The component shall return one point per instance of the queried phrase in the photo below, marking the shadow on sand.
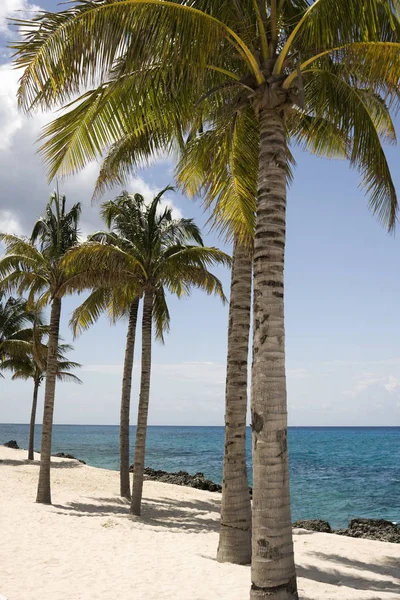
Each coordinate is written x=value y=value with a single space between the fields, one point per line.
x=65 y=464
x=165 y=512
x=362 y=577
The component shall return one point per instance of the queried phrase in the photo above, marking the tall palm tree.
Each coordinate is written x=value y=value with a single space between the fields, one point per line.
x=122 y=217
x=209 y=167
x=152 y=253
x=33 y=366
x=38 y=271
x=321 y=64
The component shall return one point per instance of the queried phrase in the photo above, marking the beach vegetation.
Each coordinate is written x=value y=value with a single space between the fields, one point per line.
x=35 y=269
x=33 y=365
x=159 y=70
x=148 y=254
x=14 y=317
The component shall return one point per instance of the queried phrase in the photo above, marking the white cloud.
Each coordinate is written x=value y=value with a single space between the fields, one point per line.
x=298 y=373
x=366 y=381
x=139 y=186
x=392 y=384
x=103 y=369
x=9 y=223
x=14 y=9
x=204 y=372
x=24 y=186
x=363 y=363
x=10 y=120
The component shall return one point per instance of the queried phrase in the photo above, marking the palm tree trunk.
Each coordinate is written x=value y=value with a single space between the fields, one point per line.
x=43 y=492
x=273 y=572
x=33 y=419
x=235 y=533
x=125 y=490
x=141 y=429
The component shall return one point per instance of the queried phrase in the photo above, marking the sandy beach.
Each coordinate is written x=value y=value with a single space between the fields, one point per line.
x=87 y=547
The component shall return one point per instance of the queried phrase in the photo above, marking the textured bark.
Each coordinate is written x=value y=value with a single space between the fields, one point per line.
x=272 y=570
x=141 y=429
x=33 y=420
x=235 y=533
x=126 y=402
x=43 y=492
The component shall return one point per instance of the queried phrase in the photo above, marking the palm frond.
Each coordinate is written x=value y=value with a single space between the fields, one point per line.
x=161 y=316
x=90 y=310
x=58 y=57
x=69 y=377
x=360 y=117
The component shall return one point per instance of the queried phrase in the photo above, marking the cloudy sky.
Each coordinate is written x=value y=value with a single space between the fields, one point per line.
x=342 y=294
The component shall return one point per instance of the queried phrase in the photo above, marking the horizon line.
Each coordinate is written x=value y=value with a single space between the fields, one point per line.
x=222 y=425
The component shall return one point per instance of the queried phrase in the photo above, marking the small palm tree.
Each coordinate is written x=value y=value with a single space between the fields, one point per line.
x=13 y=317
x=151 y=252
x=38 y=271
x=33 y=366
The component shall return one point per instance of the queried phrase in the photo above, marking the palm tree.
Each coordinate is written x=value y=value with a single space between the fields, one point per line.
x=122 y=216
x=33 y=366
x=13 y=317
x=150 y=251
x=289 y=66
x=38 y=271
x=211 y=167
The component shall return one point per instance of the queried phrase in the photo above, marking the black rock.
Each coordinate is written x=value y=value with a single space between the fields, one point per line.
x=372 y=529
x=11 y=444
x=63 y=455
x=198 y=480
x=313 y=525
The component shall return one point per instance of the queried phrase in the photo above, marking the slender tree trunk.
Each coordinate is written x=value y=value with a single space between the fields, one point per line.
x=235 y=533
x=33 y=420
x=141 y=429
x=273 y=572
x=43 y=492
x=126 y=402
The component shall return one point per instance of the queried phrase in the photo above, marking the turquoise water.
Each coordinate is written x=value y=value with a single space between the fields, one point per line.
x=337 y=473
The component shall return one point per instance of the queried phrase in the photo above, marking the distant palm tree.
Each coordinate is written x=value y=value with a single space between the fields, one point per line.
x=38 y=271
x=152 y=254
x=13 y=317
x=33 y=366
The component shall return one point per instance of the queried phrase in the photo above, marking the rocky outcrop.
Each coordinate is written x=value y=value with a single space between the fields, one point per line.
x=372 y=529
x=63 y=455
x=12 y=444
x=198 y=480
x=313 y=525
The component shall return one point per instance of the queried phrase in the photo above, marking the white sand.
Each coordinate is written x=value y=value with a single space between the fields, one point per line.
x=86 y=547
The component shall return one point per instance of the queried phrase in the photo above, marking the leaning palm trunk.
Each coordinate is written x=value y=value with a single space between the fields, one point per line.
x=44 y=493
x=33 y=420
x=272 y=571
x=235 y=533
x=126 y=402
x=141 y=429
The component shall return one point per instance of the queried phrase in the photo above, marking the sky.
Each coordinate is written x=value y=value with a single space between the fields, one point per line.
x=342 y=291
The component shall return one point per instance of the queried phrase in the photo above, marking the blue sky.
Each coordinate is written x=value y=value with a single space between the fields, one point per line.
x=342 y=291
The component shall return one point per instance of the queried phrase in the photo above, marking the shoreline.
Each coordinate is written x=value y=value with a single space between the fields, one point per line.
x=378 y=529
x=86 y=546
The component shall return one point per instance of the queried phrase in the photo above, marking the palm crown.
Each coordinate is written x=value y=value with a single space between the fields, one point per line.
x=333 y=67
x=26 y=268
x=29 y=367
x=146 y=249
x=13 y=319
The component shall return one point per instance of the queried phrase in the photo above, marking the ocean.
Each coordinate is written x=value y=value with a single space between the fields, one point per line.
x=337 y=473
